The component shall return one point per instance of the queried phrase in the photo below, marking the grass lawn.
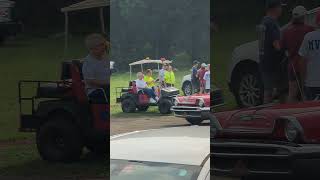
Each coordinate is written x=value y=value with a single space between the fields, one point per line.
x=122 y=80
x=32 y=59
x=225 y=40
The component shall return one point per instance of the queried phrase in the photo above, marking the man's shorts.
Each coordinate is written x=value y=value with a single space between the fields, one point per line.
x=293 y=72
x=202 y=83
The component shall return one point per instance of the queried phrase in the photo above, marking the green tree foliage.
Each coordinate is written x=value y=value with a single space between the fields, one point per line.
x=157 y=29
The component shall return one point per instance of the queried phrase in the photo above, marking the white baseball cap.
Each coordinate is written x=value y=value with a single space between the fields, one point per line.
x=299 y=11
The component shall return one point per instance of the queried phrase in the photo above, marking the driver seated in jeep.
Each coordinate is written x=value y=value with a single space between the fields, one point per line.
x=95 y=69
x=142 y=86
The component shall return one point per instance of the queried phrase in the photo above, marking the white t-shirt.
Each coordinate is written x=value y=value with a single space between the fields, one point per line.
x=141 y=84
x=161 y=75
x=206 y=77
x=310 y=49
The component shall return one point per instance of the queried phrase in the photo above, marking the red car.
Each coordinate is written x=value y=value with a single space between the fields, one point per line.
x=196 y=108
x=276 y=140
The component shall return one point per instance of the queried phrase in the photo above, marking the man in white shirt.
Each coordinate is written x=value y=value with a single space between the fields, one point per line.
x=161 y=74
x=96 y=68
x=310 y=53
x=206 y=77
x=142 y=85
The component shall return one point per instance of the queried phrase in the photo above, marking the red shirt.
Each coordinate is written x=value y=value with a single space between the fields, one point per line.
x=292 y=38
x=201 y=73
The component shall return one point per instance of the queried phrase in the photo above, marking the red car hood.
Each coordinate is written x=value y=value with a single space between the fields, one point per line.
x=191 y=100
x=260 y=120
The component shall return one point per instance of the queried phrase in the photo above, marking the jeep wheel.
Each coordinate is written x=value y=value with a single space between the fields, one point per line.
x=128 y=106
x=59 y=140
x=194 y=121
x=165 y=106
x=187 y=88
x=249 y=89
x=143 y=108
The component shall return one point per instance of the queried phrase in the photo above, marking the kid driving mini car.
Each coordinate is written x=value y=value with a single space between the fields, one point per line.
x=276 y=140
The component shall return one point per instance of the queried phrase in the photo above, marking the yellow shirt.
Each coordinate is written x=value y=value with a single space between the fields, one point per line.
x=169 y=77
x=150 y=81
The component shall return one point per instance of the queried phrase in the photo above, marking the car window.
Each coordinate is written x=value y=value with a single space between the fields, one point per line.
x=132 y=170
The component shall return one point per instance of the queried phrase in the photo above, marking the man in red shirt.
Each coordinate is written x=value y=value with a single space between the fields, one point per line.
x=201 y=73
x=291 y=41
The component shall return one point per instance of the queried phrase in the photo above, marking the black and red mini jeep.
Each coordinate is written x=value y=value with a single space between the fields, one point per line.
x=132 y=99
x=64 y=118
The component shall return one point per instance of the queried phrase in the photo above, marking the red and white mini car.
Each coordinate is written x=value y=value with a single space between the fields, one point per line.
x=196 y=108
x=276 y=140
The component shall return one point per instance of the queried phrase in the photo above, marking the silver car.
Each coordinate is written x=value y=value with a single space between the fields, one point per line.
x=179 y=153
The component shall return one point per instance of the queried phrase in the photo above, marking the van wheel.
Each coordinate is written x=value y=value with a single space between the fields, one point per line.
x=248 y=88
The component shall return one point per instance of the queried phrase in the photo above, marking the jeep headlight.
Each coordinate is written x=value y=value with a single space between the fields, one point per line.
x=291 y=131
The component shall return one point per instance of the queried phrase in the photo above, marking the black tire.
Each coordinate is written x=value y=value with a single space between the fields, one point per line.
x=59 y=140
x=143 y=108
x=248 y=88
x=165 y=106
x=194 y=121
x=128 y=105
x=187 y=88
x=98 y=146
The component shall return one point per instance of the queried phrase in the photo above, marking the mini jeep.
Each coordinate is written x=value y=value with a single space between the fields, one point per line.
x=64 y=119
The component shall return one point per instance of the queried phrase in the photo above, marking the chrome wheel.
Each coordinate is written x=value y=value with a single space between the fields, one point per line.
x=249 y=90
x=187 y=89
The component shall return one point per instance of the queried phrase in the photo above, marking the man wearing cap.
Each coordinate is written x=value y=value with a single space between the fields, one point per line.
x=270 y=54
x=291 y=41
x=194 y=76
x=95 y=68
x=310 y=53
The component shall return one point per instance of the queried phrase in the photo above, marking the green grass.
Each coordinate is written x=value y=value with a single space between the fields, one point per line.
x=122 y=80
x=223 y=43
x=33 y=59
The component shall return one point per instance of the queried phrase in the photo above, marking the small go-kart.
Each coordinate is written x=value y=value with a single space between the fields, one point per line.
x=132 y=99
x=196 y=108
x=64 y=118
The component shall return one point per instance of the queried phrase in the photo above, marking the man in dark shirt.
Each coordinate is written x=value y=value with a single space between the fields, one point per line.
x=270 y=52
x=194 y=76
x=291 y=41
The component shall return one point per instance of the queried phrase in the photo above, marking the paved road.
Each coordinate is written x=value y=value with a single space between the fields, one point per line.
x=129 y=124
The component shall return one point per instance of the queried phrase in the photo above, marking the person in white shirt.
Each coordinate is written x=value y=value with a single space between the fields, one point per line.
x=142 y=85
x=310 y=53
x=206 y=77
x=161 y=74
